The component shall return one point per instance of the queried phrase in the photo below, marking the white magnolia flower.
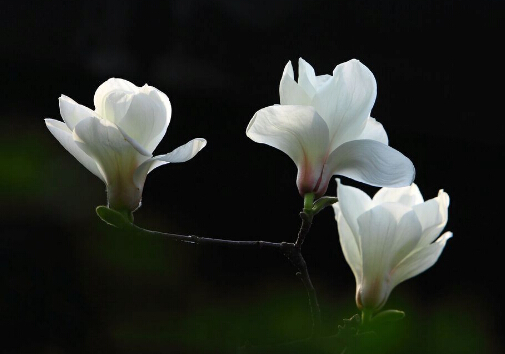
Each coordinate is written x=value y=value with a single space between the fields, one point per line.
x=389 y=239
x=116 y=141
x=323 y=123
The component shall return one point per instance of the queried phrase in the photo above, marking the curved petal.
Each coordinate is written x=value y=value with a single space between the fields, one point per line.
x=64 y=135
x=146 y=119
x=72 y=112
x=384 y=242
x=182 y=154
x=134 y=143
x=346 y=101
x=348 y=242
x=408 y=233
x=112 y=85
x=307 y=77
x=297 y=131
x=322 y=80
x=374 y=131
x=370 y=162
x=115 y=105
x=353 y=202
x=289 y=91
x=408 y=196
x=433 y=215
x=385 y=239
x=159 y=96
x=102 y=141
x=420 y=260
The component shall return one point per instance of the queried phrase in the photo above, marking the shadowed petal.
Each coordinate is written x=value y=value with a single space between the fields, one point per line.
x=348 y=242
x=370 y=162
x=352 y=202
x=102 y=140
x=420 y=260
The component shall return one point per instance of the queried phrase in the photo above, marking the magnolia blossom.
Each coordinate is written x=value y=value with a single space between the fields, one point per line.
x=390 y=238
x=116 y=141
x=323 y=123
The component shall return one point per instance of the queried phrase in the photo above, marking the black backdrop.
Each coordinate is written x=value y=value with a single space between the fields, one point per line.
x=71 y=284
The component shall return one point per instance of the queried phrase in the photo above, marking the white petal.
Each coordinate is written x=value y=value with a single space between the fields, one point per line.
x=181 y=154
x=385 y=240
x=353 y=202
x=147 y=117
x=299 y=132
x=350 y=247
x=346 y=101
x=115 y=106
x=371 y=162
x=374 y=131
x=158 y=95
x=322 y=80
x=114 y=155
x=408 y=233
x=397 y=210
x=72 y=112
x=112 y=85
x=64 y=136
x=289 y=91
x=408 y=196
x=433 y=215
x=420 y=260
x=307 y=77
x=377 y=229
x=134 y=143
x=184 y=152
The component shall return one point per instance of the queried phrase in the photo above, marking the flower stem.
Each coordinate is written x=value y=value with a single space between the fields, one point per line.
x=366 y=317
x=308 y=200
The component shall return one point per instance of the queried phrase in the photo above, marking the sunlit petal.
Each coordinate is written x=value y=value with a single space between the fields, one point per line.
x=289 y=91
x=72 y=112
x=346 y=101
x=409 y=195
x=181 y=154
x=297 y=131
x=64 y=135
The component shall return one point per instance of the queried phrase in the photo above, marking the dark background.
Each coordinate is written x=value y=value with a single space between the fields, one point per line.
x=71 y=284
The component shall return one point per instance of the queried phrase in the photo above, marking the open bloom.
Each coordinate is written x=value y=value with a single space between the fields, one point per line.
x=389 y=239
x=323 y=123
x=116 y=141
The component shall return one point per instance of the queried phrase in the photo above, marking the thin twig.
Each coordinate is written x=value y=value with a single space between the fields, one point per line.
x=209 y=241
x=294 y=253
x=304 y=228
x=291 y=251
